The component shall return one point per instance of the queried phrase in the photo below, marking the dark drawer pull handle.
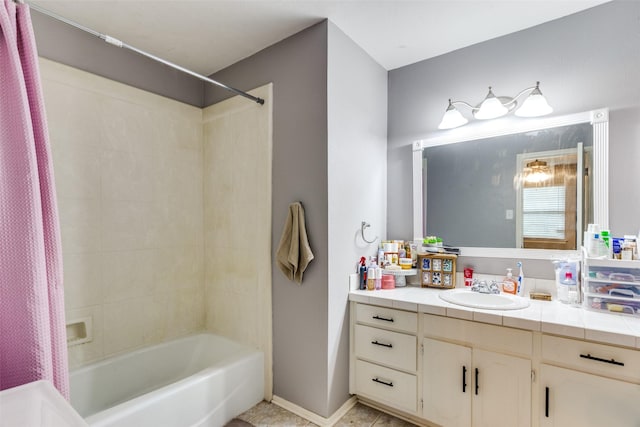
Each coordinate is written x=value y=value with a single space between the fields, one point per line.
x=546 y=402
x=382 y=344
x=383 y=318
x=477 y=386
x=464 y=379
x=376 y=380
x=598 y=359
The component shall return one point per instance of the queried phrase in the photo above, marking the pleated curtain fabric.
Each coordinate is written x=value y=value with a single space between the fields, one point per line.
x=32 y=325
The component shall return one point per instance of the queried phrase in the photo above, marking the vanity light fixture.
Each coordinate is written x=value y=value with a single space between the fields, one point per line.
x=537 y=171
x=534 y=105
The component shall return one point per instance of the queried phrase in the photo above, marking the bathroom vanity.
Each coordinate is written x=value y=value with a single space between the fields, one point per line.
x=549 y=364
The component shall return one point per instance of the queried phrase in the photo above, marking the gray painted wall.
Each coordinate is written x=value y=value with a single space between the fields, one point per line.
x=357 y=158
x=297 y=66
x=584 y=61
x=68 y=45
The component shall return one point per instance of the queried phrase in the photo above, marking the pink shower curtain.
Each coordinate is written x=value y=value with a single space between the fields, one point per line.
x=32 y=329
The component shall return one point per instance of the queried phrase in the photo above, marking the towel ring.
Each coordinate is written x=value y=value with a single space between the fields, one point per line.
x=364 y=225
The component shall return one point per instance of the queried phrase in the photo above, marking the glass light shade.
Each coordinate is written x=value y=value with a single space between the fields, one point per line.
x=452 y=118
x=537 y=172
x=490 y=108
x=534 y=105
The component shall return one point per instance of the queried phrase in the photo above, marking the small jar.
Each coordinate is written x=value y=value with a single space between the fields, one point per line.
x=388 y=281
x=405 y=263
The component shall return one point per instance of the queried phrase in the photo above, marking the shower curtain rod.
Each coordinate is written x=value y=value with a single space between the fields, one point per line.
x=119 y=43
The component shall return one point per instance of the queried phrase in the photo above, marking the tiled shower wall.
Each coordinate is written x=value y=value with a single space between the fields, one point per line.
x=237 y=221
x=128 y=168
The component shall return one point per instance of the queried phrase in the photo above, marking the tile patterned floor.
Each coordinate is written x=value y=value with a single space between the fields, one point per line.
x=266 y=414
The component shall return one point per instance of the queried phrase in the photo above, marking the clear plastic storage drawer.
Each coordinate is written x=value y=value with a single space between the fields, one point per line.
x=612 y=286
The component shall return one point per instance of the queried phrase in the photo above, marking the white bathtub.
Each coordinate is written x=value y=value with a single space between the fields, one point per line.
x=200 y=380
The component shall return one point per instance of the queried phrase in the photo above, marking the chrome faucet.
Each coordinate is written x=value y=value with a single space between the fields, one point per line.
x=484 y=288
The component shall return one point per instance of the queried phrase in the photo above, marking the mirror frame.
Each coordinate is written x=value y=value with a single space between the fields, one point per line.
x=599 y=119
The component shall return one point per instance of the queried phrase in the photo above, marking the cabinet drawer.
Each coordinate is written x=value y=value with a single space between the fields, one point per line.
x=386 y=347
x=387 y=386
x=388 y=318
x=604 y=360
x=497 y=338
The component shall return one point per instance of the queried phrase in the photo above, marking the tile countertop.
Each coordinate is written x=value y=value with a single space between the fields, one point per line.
x=543 y=316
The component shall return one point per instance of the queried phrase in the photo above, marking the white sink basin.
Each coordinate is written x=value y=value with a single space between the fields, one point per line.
x=468 y=298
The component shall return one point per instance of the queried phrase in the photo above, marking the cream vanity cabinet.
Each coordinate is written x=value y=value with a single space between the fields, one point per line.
x=385 y=363
x=475 y=374
x=588 y=384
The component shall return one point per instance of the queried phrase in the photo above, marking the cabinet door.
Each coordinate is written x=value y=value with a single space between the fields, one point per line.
x=446 y=386
x=501 y=390
x=572 y=398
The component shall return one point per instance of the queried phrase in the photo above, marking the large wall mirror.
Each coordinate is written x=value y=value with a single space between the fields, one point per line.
x=525 y=189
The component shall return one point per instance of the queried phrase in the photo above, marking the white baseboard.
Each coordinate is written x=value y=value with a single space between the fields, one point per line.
x=315 y=418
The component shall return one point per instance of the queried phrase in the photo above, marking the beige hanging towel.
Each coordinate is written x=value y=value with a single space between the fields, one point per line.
x=294 y=253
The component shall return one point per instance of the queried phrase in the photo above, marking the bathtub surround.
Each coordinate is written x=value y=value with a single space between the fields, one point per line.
x=129 y=184
x=165 y=212
x=32 y=328
x=237 y=222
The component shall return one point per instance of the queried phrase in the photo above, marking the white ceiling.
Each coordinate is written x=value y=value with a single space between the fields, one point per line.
x=208 y=35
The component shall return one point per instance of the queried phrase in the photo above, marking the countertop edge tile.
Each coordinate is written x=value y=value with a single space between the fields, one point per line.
x=494 y=318
x=358 y=298
x=433 y=309
x=610 y=337
x=404 y=305
x=459 y=313
x=521 y=323
x=564 y=330
x=382 y=302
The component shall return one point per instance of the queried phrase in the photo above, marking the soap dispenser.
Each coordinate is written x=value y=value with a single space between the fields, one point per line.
x=509 y=284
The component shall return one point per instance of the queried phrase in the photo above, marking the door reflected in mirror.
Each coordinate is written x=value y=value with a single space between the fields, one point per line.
x=554 y=197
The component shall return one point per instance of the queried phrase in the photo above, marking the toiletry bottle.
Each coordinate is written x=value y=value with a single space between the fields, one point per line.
x=629 y=247
x=520 y=290
x=592 y=241
x=371 y=277
x=468 y=276
x=509 y=284
x=572 y=288
x=608 y=246
x=363 y=274
x=402 y=252
x=378 y=281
